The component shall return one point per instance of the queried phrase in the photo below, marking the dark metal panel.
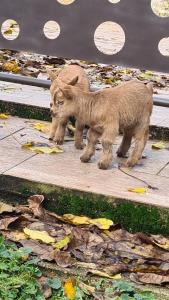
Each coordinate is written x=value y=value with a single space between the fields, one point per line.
x=78 y=21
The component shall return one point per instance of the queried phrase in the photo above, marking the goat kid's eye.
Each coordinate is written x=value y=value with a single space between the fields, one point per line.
x=61 y=102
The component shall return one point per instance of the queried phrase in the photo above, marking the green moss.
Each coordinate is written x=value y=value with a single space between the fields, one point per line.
x=159 y=133
x=132 y=216
x=25 y=111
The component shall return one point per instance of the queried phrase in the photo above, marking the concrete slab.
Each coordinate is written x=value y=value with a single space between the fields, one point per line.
x=11 y=154
x=10 y=126
x=66 y=170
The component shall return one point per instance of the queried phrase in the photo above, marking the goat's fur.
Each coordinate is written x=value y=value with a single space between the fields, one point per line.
x=66 y=74
x=126 y=107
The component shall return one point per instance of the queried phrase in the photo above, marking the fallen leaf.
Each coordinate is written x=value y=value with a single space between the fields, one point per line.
x=47 y=150
x=15 y=236
x=4 y=116
x=151 y=278
x=44 y=252
x=63 y=259
x=28 y=145
x=69 y=289
x=8 y=31
x=4 y=223
x=41 y=127
x=159 y=146
x=104 y=274
x=102 y=223
x=6 y=207
x=35 y=206
x=138 y=190
x=11 y=66
x=89 y=290
x=76 y=220
x=71 y=128
x=46 y=289
x=39 y=235
x=42 y=148
x=62 y=243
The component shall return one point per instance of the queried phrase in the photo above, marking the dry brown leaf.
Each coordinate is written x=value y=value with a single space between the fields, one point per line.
x=14 y=236
x=63 y=259
x=35 y=206
x=44 y=252
x=89 y=290
x=4 y=223
x=150 y=278
x=47 y=291
x=104 y=274
x=6 y=207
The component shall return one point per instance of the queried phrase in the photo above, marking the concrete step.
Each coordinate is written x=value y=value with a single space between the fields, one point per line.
x=72 y=187
x=33 y=102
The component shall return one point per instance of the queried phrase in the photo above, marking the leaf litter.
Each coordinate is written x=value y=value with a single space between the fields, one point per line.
x=95 y=246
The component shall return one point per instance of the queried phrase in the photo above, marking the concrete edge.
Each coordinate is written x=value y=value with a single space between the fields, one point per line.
x=132 y=216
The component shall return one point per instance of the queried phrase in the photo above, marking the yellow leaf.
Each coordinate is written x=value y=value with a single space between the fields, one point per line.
x=137 y=190
x=4 y=116
x=159 y=146
x=17 y=236
x=76 y=220
x=28 y=145
x=71 y=128
x=69 y=289
x=8 y=31
x=39 y=235
x=41 y=127
x=47 y=150
x=102 y=223
x=104 y=274
x=61 y=244
x=42 y=148
x=11 y=67
x=5 y=207
x=162 y=246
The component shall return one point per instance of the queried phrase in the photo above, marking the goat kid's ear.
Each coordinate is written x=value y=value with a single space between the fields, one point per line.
x=53 y=74
x=73 y=81
x=67 y=92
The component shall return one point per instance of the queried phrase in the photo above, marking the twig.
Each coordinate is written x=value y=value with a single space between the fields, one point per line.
x=11 y=134
x=132 y=176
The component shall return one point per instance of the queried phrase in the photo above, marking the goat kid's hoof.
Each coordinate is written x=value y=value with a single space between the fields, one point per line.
x=120 y=154
x=84 y=158
x=80 y=146
x=58 y=141
x=103 y=165
x=130 y=163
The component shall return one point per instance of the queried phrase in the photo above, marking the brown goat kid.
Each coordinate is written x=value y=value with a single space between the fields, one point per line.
x=127 y=108
x=66 y=75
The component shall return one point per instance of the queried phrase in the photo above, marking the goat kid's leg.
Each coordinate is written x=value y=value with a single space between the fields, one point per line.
x=125 y=144
x=60 y=131
x=79 y=136
x=89 y=151
x=140 y=142
x=107 y=140
x=53 y=128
